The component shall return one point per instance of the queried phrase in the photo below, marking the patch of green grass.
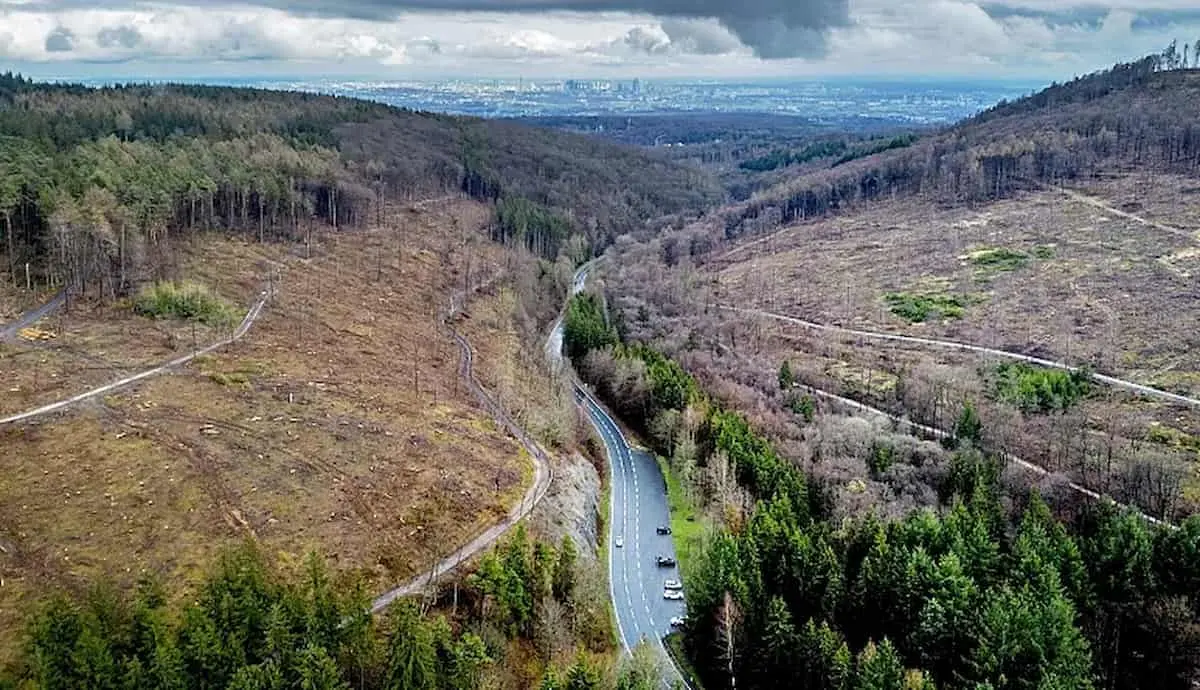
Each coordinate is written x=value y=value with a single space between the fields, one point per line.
x=999 y=259
x=1043 y=252
x=1039 y=390
x=184 y=300
x=234 y=379
x=918 y=308
x=689 y=526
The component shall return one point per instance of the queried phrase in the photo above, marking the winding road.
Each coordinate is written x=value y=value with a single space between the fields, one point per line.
x=966 y=347
x=543 y=474
x=251 y=316
x=637 y=507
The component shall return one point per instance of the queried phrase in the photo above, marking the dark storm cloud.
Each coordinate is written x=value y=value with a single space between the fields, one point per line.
x=699 y=37
x=772 y=28
x=60 y=40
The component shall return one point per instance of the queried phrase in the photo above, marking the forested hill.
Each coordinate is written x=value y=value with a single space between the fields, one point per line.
x=1140 y=114
x=93 y=180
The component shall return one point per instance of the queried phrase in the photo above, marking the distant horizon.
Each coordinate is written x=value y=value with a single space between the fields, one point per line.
x=862 y=78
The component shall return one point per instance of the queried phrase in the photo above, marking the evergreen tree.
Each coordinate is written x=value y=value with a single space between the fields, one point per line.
x=412 y=658
x=879 y=668
x=564 y=570
x=787 y=379
x=318 y=671
x=583 y=675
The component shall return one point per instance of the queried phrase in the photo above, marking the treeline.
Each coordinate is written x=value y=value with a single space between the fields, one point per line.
x=94 y=183
x=872 y=148
x=781 y=158
x=983 y=593
x=99 y=216
x=528 y=615
x=1133 y=114
x=842 y=149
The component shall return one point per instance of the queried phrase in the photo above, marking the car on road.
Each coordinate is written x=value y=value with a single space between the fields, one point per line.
x=672 y=584
x=673 y=594
x=677 y=622
x=663 y=529
x=665 y=562
x=618 y=541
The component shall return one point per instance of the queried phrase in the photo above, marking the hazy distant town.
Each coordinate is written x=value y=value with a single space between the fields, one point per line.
x=917 y=102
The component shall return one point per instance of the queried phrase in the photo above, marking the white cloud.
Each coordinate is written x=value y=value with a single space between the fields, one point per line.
x=1043 y=38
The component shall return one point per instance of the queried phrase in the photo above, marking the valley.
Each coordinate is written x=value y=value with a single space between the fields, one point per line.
x=920 y=407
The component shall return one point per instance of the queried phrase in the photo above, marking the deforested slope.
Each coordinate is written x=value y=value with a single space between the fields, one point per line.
x=1134 y=115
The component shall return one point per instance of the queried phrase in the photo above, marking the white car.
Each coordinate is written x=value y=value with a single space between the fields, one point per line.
x=618 y=542
x=672 y=584
x=673 y=594
x=677 y=622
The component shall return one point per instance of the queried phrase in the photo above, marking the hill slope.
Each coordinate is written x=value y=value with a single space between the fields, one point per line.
x=93 y=180
x=1131 y=115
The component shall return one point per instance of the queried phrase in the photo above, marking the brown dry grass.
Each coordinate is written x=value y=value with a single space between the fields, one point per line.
x=1098 y=288
x=1114 y=293
x=339 y=423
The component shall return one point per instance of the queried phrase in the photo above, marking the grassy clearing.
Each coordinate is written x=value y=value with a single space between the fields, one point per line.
x=918 y=308
x=688 y=524
x=185 y=300
x=866 y=380
x=998 y=259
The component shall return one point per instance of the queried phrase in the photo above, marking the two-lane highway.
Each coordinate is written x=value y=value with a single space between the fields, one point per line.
x=638 y=507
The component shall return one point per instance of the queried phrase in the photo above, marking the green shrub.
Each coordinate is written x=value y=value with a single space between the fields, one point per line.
x=999 y=259
x=184 y=300
x=802 y=405
x=917 y=308
x=1035 y=389
x=880 y=458
x=1043 y=251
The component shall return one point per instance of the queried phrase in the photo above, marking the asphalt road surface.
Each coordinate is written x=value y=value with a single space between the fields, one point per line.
x=638 y=507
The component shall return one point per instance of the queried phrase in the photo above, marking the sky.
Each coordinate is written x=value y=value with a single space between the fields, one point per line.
x=407 y=39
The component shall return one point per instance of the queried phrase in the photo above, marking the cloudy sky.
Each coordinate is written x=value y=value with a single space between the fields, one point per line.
x=543 y=38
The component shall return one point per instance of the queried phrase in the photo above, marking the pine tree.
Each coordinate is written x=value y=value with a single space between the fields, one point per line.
x=412 y=658
x=778 y=644
x=318 y=671
x=470 y=658
x=879 y=668
x=583 y=676
x=787 y=379
x=564 y=570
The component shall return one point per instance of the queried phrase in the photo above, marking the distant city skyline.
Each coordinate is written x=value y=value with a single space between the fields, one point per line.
x=900 y=101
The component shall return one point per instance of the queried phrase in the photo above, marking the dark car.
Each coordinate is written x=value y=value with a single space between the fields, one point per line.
x=665 y=562
x=663 y=529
